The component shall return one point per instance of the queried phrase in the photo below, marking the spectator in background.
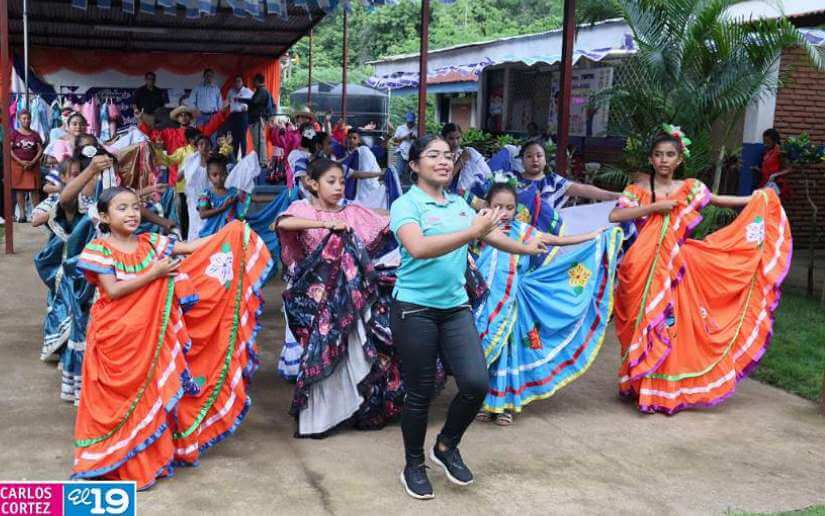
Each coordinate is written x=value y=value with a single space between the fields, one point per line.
x=238 y=122
x=148 y=98
x=261 y=107
x=773 y=166
x=26 y=151
x=403 y=137
x=206 y=97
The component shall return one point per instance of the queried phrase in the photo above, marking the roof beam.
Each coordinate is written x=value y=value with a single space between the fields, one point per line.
x=152 y=46
x=37 y=40
x=191 y=35
x=48 y=11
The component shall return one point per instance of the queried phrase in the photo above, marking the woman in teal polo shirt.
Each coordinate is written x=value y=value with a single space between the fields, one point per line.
x=431 y=315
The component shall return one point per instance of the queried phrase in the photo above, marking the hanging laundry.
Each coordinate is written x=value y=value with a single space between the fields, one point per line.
x=105 y=130
x=54 y=114
x=90 y=111
x=39 y=110
x=114 y=117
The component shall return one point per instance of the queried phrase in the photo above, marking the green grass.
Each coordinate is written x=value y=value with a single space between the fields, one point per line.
x=795 y=361
x=815 y=510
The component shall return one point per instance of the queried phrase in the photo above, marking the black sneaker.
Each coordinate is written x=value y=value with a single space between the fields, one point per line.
x=457 y=472
x=415 y=482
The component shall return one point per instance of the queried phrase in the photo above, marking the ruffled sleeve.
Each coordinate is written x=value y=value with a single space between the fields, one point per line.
x=368 y=225
x=204 y=201
x=631 y=197
x=291 y=248
x=96 y=259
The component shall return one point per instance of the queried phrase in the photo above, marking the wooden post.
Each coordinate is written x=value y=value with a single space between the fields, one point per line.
x=5 y=90
x=565 y=85
x=344 y=64
x=422 y=67
x=309 y=76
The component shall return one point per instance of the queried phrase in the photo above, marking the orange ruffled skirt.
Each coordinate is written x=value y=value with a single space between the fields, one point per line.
x=166 y=367
x=695 y=317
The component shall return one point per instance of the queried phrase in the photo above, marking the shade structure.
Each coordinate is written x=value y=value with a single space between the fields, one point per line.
x=219 y=29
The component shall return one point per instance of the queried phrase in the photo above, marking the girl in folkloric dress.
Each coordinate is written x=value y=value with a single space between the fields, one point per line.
x=170 y=344
x=543 y=322
x=332 y=288
x=694 y=317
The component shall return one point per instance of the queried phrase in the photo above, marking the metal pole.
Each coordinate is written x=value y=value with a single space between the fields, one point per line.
x=5 y=87
x=26 y=49
x=344 y=58
x=422 y=67
x=309 y=76
x=565 y=85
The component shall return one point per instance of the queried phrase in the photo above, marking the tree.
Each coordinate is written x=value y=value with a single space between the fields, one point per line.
x=696 y=67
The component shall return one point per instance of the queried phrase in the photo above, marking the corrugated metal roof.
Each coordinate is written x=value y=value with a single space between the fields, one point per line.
x=55 y=23
x=520 y=37
x=770 y=9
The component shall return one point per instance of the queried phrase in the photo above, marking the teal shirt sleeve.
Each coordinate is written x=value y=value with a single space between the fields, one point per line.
x=403 y=211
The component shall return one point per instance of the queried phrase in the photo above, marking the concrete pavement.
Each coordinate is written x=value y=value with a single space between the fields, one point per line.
x=582 y=452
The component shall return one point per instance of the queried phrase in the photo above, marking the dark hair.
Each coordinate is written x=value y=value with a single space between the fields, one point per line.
x=106 y=197
x=306 y=142
x=258 y=79
x=208 y=70
x=78 y=115
x=239 y=76
x=66 y=166
x=78 y=148
x=318 y=141
x=191 y=134
x=318 y=167
x=773 y=134
x=202 y=136
x=658 y=140
x=353 y=130
x=81 y=137
x=450 y=128
x=527 y=144
x=419 y=145
x=147 y=74
x=498 y=188
x=217 y=159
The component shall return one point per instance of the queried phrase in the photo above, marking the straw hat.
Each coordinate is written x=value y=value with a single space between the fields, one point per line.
x=183 y=109
x=303 y=112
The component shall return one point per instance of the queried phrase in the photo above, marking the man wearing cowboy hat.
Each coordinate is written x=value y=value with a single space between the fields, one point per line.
x=304 y=114
x=174 y=138
x=286 y=136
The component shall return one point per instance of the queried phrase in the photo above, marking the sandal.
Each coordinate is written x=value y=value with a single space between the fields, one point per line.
x=505 y=419
x=485 y=417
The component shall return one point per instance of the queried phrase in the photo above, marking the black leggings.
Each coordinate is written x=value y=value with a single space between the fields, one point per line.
x=421 y=335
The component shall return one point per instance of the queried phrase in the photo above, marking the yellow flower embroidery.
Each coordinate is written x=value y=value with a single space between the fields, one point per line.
x=578 y=275
x=523 y=214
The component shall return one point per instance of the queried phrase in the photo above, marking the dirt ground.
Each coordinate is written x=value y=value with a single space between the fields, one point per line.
x=581 y=452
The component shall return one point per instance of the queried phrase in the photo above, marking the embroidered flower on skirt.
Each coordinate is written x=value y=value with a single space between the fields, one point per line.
x=220 y=267
x=579 y=275
x=755 y=231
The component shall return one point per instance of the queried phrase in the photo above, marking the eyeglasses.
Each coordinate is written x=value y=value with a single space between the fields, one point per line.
x=448 y=155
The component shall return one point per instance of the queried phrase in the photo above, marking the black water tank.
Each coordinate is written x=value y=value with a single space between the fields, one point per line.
x=364 y=105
